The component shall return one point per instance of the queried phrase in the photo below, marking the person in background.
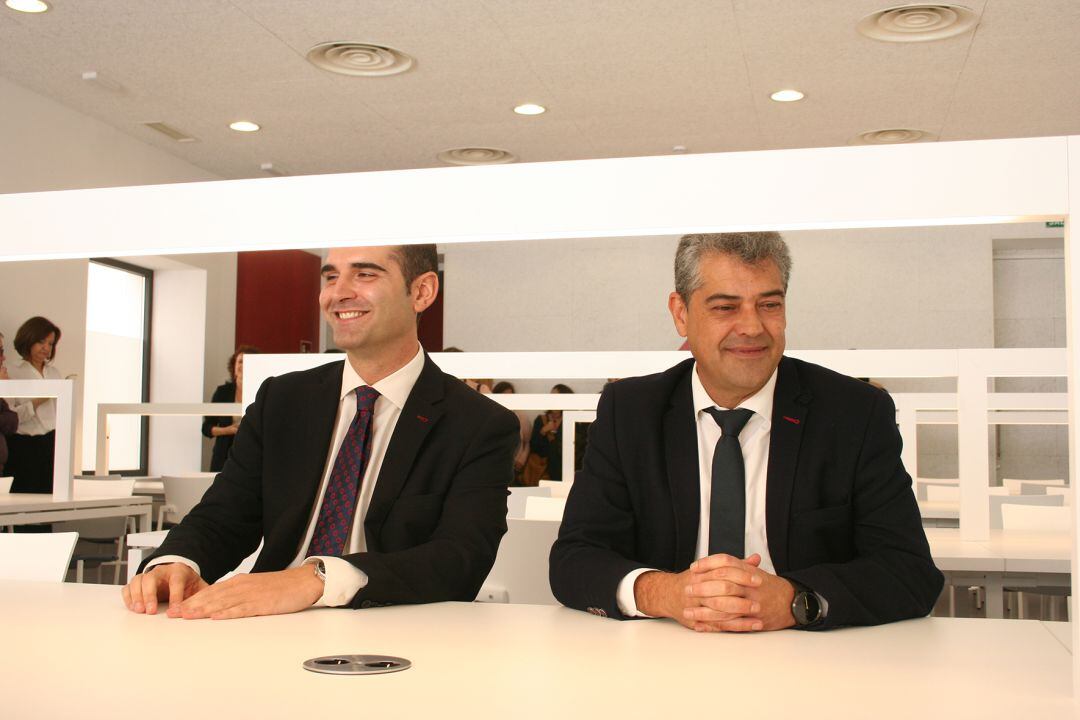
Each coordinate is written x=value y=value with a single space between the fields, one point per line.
x=9 y=421
x=524 y=432
x=546 y=439
x=223 y=428
x=32 y=447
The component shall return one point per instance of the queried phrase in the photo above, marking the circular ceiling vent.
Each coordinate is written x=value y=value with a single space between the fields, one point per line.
x=359 y=59
x=476 y=156
x=892 y=136
x=918 y=23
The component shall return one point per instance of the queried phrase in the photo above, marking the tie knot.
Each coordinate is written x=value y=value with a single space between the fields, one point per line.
x=366 y=397
x=731 y=421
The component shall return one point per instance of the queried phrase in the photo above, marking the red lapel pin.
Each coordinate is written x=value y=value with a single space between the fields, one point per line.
x=421 y=418
x=794 y=421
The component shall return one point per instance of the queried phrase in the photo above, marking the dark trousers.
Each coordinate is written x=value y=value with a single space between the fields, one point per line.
x=30 y=462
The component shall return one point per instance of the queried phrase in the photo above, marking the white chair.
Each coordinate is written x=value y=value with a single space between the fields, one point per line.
x=544 y=508
x=997 y=502
x=520 y=572
x=558 y=488
x=42 y=557
x=1015 y=488
x=103 y=530
x=182 y=492
x=515 y=503
x=921 y=485
x=5 y=485
x=1062 y=491
x=942 y=493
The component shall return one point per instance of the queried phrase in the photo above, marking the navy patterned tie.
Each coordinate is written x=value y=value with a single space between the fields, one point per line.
x=339 y=502
x=727 y=504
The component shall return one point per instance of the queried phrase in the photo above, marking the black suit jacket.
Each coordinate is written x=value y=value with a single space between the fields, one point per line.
x=437 y=512
x=840 y=515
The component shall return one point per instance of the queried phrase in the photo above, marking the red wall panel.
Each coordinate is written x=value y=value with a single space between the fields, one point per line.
x=277 y=300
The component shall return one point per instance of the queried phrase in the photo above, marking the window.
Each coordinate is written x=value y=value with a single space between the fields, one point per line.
x=118 y=298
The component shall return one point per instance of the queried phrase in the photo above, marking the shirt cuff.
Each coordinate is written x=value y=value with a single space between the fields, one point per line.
x=343 y=581
x=624 y=595
x=164 y=559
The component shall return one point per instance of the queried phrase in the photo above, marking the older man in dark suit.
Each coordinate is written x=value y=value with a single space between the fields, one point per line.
x=375 y=480
x=743 y=490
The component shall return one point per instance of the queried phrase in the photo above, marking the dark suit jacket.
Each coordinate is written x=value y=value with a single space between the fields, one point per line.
x=840 y=515
x=439 y=506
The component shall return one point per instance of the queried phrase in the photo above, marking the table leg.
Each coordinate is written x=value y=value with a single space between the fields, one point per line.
x=995 y=596
x=146 y=520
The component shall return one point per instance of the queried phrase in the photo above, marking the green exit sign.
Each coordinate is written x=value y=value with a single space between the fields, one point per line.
x=1055 y=223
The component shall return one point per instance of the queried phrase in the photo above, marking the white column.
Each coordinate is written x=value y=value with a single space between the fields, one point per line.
x=974 y=445
x=1072 y=326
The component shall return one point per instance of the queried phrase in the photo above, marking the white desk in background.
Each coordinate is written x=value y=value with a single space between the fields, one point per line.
x=940 y=513
x=30 y=508
x=1007 y=557
x=477 y=660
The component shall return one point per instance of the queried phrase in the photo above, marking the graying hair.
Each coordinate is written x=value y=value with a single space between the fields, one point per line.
x=750 y=248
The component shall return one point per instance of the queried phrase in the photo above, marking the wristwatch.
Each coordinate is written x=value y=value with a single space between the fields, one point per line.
x=805 y=607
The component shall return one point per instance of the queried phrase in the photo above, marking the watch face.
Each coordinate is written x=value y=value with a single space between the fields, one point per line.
x=805 y=608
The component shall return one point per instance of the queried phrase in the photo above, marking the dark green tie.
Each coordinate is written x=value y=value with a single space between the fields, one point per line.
x=727 y=506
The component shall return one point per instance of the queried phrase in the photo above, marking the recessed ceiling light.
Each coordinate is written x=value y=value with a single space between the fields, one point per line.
x=244 y=126
x=476 y=156
x=918 y=23
x=530 y=109
x=27 y=6
x=787 y=96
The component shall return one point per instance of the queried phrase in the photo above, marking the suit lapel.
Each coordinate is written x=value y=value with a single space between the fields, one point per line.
x=790 y=407
x=681 y=456
x=421 y=413
x=316 y=415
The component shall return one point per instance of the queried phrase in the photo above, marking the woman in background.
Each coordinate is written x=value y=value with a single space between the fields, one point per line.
x=223 y=428
x=546 y=439
x=32 y=448
x=9 y=421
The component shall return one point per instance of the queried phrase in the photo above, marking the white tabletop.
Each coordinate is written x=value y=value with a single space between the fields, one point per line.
x=1004 y=551
x=35 y=502
x=939 y=509
x=76 y=652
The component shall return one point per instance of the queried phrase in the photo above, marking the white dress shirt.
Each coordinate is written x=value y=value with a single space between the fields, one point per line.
x=39 y=420
x=754 y=440
x=343 y=579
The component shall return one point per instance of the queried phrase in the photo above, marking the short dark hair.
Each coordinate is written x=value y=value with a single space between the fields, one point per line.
x=34 y=331
x=502 y=386
x=415 y=260
x=242 y=350
x=562 y=389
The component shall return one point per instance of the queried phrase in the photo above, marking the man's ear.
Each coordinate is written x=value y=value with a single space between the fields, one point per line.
x=424 y=290
x=677 y=308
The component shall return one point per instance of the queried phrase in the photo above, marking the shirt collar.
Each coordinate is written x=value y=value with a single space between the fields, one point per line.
x=395 y=387
x=760 y=403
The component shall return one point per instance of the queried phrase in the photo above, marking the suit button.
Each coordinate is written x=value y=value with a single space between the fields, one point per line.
x=365 y=604
x=599 y=612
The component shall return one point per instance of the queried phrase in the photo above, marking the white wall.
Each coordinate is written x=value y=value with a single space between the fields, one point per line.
x=47 y=146
x=176 y=367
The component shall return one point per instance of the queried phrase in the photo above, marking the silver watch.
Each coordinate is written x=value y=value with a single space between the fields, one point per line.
x=320 y=569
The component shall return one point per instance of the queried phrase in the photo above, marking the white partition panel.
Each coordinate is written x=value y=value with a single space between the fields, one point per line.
x=63 y=391
x=1072 y=329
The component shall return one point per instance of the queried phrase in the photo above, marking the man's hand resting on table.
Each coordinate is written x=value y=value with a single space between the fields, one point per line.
x=190 y=597
x=719 y=593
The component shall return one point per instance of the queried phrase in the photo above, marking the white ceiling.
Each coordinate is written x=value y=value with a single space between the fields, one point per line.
x=619 y=77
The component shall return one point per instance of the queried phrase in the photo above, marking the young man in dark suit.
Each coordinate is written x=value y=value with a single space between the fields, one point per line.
x=743 y=490
x=375 y=480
